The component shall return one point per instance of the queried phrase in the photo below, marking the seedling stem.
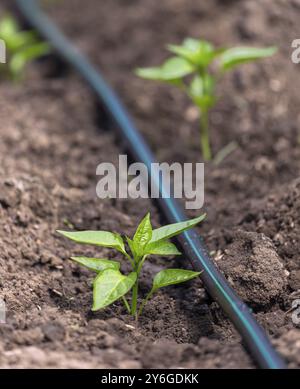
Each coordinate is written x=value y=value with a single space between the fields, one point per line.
x=204 y=135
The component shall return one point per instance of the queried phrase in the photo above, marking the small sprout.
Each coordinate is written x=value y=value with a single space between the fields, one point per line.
x=196 y=69
x=22 y=47
x=110 y=284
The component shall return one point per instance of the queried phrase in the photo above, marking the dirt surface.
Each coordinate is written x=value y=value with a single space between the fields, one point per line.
x=52 y=139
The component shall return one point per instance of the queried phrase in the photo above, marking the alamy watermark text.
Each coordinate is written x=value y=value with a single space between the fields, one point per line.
x=162 y=180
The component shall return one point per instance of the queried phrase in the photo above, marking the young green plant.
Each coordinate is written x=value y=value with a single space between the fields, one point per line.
x=22 y=47
x=110 y=284
x=195 y=69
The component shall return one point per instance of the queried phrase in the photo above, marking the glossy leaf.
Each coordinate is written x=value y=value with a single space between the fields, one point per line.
x=109 y=286
x=167 y=232
x=183 y=52
x=143 y=233
x=132 y=246
x=97 y=238
x=162 y=247
x=173 y=69
x=238 y=55
x=96 y=264
x=172 y=277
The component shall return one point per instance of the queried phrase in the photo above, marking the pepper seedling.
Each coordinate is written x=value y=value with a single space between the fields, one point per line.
x=110 y=284
x=196 y=69
x=22 y=47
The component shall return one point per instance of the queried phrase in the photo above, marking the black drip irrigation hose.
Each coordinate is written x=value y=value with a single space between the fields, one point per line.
x=240 y=315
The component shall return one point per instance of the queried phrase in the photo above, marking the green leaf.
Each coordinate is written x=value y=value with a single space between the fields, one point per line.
x=198 y=52
x=21 y=58
x=238 y=55
x=191 y=44
x=183 y=52
x=154 y=73
x=172 y=277
x=96 y=264
x=13 y=37
x=167 y=232
x=109 y=286
x=21 y=40
x=97 y=238
x=8 y=27
x=143 y=233
x=132 y=246
x=173 y=69
x=162 y=247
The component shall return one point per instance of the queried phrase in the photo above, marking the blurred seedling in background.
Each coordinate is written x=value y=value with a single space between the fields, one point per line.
x=196 y=68
x=22 y=47
x=110 y=284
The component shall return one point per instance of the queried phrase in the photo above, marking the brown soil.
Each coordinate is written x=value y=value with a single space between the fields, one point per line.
x=52 y=139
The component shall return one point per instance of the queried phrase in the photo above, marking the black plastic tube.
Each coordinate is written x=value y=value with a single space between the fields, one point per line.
x=254 y=337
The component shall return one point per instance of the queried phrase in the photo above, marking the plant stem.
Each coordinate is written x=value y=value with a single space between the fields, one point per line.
x=134 y=297
x=137 y=268
x=204 y=135
x=126 y=304
x=145 y=302
x=140 y=265
x=129 y=259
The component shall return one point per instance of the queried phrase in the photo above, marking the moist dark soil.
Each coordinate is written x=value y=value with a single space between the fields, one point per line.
x=53 y=136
